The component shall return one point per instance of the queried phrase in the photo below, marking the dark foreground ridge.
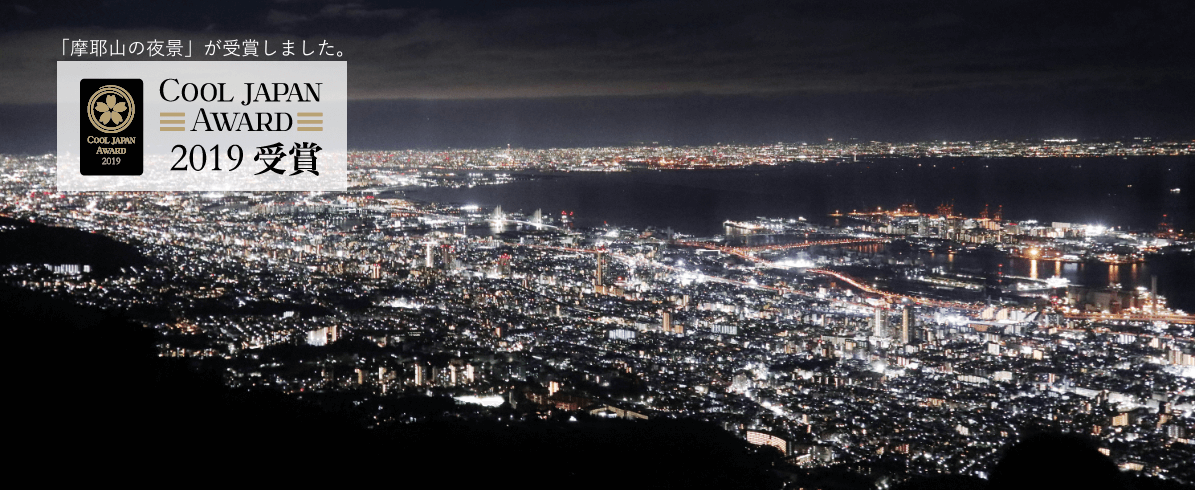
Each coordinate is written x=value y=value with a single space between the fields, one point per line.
x=35 y=243
x=100 y=400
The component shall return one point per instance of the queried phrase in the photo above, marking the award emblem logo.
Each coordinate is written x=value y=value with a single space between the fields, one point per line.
x=111 y=131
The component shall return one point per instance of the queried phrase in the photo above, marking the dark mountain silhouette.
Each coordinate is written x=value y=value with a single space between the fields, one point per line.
x=102 y=402
x=35 y=243
x=92 y=397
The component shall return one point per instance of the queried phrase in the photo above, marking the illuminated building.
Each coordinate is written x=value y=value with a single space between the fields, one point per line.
x=906 y=320
x=600 y=273
x=725 y=329
x=878 y=327
x=611 y=411
x=760 y=438
x=323 y=336
x=1121 y=419
x=446 y=256
x=621 y=334
x=740 y=383
x=318 y=337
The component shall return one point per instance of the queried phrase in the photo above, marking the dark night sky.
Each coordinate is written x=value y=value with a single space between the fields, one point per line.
x=436 y=74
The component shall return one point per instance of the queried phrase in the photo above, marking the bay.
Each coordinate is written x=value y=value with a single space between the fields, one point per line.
x=1134 y=193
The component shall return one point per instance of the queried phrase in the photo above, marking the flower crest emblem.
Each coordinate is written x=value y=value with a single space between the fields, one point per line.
x=111 y=110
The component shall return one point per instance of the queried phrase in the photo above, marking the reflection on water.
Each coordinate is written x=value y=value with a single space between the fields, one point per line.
x=698 y=202
x=1176 y=274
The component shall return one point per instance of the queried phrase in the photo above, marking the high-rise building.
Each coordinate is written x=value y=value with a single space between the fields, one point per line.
x=446 y=255
x=906 y=322
x=667 y=321
x=599 y=276
x=429 y=255
x=878 y=326
x=504 y=268
x=1153 y=291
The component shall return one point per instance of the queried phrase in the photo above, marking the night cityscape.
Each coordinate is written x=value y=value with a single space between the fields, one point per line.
x=861 y=246
x=833 y=341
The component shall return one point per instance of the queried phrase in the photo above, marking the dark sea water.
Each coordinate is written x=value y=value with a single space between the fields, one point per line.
x=1133 y=193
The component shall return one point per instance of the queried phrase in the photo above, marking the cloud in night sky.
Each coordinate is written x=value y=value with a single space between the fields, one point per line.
x=1067 y=57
